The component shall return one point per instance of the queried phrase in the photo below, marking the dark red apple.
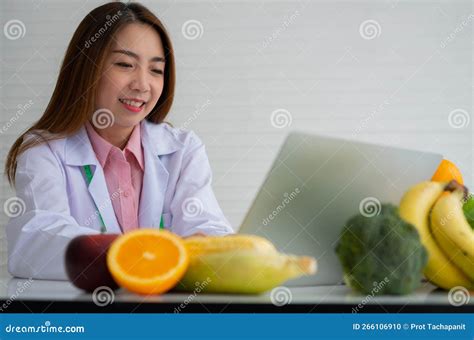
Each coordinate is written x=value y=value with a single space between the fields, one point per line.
x=86 y=261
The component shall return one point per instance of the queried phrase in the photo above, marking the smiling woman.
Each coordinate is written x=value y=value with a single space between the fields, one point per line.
x=86 y=75
x=101 y=159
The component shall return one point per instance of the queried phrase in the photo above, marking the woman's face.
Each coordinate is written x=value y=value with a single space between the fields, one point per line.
x=132 y=81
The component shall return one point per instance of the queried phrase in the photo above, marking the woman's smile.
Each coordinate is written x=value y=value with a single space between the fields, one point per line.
x=133 y=105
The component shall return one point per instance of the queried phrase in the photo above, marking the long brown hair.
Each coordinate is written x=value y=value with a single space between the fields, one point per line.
x=73 y=99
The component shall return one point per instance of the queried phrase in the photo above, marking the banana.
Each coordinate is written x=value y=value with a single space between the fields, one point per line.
x=243 y=271
x=452 y=231
x=415 y=207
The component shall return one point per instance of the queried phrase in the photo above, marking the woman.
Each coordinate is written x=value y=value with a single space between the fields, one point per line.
x=101 y=159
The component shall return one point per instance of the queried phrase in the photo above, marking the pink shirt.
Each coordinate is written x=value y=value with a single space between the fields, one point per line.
x=123 y=172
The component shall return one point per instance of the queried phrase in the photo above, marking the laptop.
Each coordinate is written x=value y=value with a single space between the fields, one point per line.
x=317 y=183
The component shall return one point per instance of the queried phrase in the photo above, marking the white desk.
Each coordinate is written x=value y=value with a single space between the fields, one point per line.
x=21 y=295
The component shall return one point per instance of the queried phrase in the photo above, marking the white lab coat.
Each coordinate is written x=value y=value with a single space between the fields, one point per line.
x=59 y=204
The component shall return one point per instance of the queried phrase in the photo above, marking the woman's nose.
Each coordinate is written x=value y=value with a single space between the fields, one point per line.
x=140 y=83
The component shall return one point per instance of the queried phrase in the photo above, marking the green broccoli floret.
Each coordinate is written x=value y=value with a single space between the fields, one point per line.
x=382 y=254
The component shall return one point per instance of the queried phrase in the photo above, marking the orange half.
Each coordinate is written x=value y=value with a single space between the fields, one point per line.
x=147 y=261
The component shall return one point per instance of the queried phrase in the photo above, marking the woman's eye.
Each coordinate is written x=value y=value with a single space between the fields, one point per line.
x=158 y=71
x=123 y=64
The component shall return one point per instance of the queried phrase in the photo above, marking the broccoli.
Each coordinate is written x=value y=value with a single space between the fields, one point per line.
x=382 y=254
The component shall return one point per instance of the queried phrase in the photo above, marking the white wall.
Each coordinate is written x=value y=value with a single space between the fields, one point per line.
x=254 y=57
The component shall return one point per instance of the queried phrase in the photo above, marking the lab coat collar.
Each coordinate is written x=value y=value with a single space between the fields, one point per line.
x=78 y=150
x=103 y=148
x=158 y=138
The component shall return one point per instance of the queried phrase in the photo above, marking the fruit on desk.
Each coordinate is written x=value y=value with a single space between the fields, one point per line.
x=147 y=261
x=446 y=172
x=452 y=230
x=86 y=264
x=415 y=208
x=381 y=254
x=239 y=264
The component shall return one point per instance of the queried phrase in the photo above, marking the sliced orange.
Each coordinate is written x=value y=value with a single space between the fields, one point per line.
x=147 y=261
x=446 y=172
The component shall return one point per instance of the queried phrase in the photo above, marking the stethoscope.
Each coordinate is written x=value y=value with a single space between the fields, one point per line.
x=103 y=228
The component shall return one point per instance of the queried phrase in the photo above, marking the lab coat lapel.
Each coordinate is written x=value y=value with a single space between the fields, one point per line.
x=157 y=141
x=100 y=195
x=155 y=182
x=79 y=152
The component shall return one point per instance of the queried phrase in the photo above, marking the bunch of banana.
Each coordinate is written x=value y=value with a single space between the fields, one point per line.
x=244 y=264
x=453 y=232
x=435 y=209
